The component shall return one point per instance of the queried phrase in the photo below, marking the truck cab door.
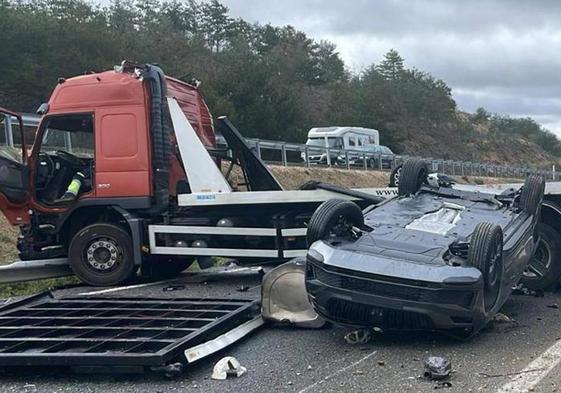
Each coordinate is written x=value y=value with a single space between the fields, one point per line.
x=14 y=172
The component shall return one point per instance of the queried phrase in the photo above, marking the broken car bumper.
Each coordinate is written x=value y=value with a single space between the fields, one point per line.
x=357 y=289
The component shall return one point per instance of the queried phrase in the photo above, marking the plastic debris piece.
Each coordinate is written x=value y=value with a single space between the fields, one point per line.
x=554 y=305
x=359 y=336
x=437 y=368
x=228 y=367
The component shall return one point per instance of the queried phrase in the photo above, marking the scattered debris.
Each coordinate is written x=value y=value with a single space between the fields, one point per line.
x=520 y=289
x=310 y=368
x=359 y=336
x=554 y=305
x=437 y=368
x=228 y=367
x=381 y=363
x=502 y=323
x=443 y=385
x=243 y=288
x=171 y=288
x=171 y=370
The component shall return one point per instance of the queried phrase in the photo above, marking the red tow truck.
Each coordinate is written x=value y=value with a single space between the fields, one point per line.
x=158 y=194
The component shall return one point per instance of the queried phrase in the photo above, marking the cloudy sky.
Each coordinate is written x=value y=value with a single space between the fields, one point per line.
x=504 y=55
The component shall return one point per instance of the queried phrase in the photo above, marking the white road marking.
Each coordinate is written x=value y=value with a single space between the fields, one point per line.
x=310 y=387
x=534 y=372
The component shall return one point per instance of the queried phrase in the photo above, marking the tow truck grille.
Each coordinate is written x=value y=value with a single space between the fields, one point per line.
x=90 y=331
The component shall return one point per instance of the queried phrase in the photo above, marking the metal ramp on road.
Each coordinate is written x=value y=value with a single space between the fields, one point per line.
x=42 y=330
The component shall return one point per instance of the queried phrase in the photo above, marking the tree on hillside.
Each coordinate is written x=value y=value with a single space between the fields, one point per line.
x=391 y=67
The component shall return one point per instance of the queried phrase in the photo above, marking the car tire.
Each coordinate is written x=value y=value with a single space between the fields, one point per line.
x=395 y=175
x=333 y=214
x=532 y=194
x=165 y=266
x=413 y=174
x=102 y=255
x=544 y=269
x=486 y=254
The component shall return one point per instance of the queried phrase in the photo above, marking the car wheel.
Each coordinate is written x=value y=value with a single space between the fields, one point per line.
x=544 y=269
x=532 y=194
x=486 y=254
x=102 y=255
x=334 y=219
x=163 y=266
x=413 y=174
x=395 y=175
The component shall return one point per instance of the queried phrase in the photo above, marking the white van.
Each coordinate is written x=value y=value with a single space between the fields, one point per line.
x=338 y=138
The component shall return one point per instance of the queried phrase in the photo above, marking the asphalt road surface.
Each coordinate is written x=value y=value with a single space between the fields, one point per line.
x=506 y=357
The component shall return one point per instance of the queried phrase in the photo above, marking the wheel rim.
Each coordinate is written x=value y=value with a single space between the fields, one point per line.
x=540 y=263
x=103 y=255
x=493 y=281
x=396 y=176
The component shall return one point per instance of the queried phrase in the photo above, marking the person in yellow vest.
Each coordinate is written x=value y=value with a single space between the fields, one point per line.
x=79 y=182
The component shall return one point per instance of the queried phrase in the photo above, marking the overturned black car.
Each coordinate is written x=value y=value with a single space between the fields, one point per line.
x=433 y=258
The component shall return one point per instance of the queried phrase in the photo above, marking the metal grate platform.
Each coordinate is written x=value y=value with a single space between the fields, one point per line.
x=113 y=331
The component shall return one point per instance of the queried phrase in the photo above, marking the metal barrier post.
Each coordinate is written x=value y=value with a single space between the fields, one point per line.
x=380 y=161
x=258 y=147
x=307 y=155
x=9 y=131
x=347 y=162
x=283 y=154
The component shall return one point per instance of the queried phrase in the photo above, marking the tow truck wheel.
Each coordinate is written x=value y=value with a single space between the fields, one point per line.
x=486 y=254
x=544 y=269
x=413 y=174
x=532 y=194
x=334 y=218
x=102 y=255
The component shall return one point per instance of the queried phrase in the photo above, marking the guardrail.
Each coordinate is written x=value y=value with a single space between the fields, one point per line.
x=288 y=153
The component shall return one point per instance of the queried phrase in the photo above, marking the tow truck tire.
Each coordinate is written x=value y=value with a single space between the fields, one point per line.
x=486 y=254
x=102 y=255
x=330 y=214
x=532 y=194
x=395 y=175
x=413 y=174
x=544 y=269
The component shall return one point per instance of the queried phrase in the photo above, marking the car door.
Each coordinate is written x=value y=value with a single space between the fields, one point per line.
x=14 y=172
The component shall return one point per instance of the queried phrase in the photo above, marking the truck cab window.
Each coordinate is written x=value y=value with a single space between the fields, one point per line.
x=65 y=159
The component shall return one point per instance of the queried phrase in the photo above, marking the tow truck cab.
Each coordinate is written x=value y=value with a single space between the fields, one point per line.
x=110 y=126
